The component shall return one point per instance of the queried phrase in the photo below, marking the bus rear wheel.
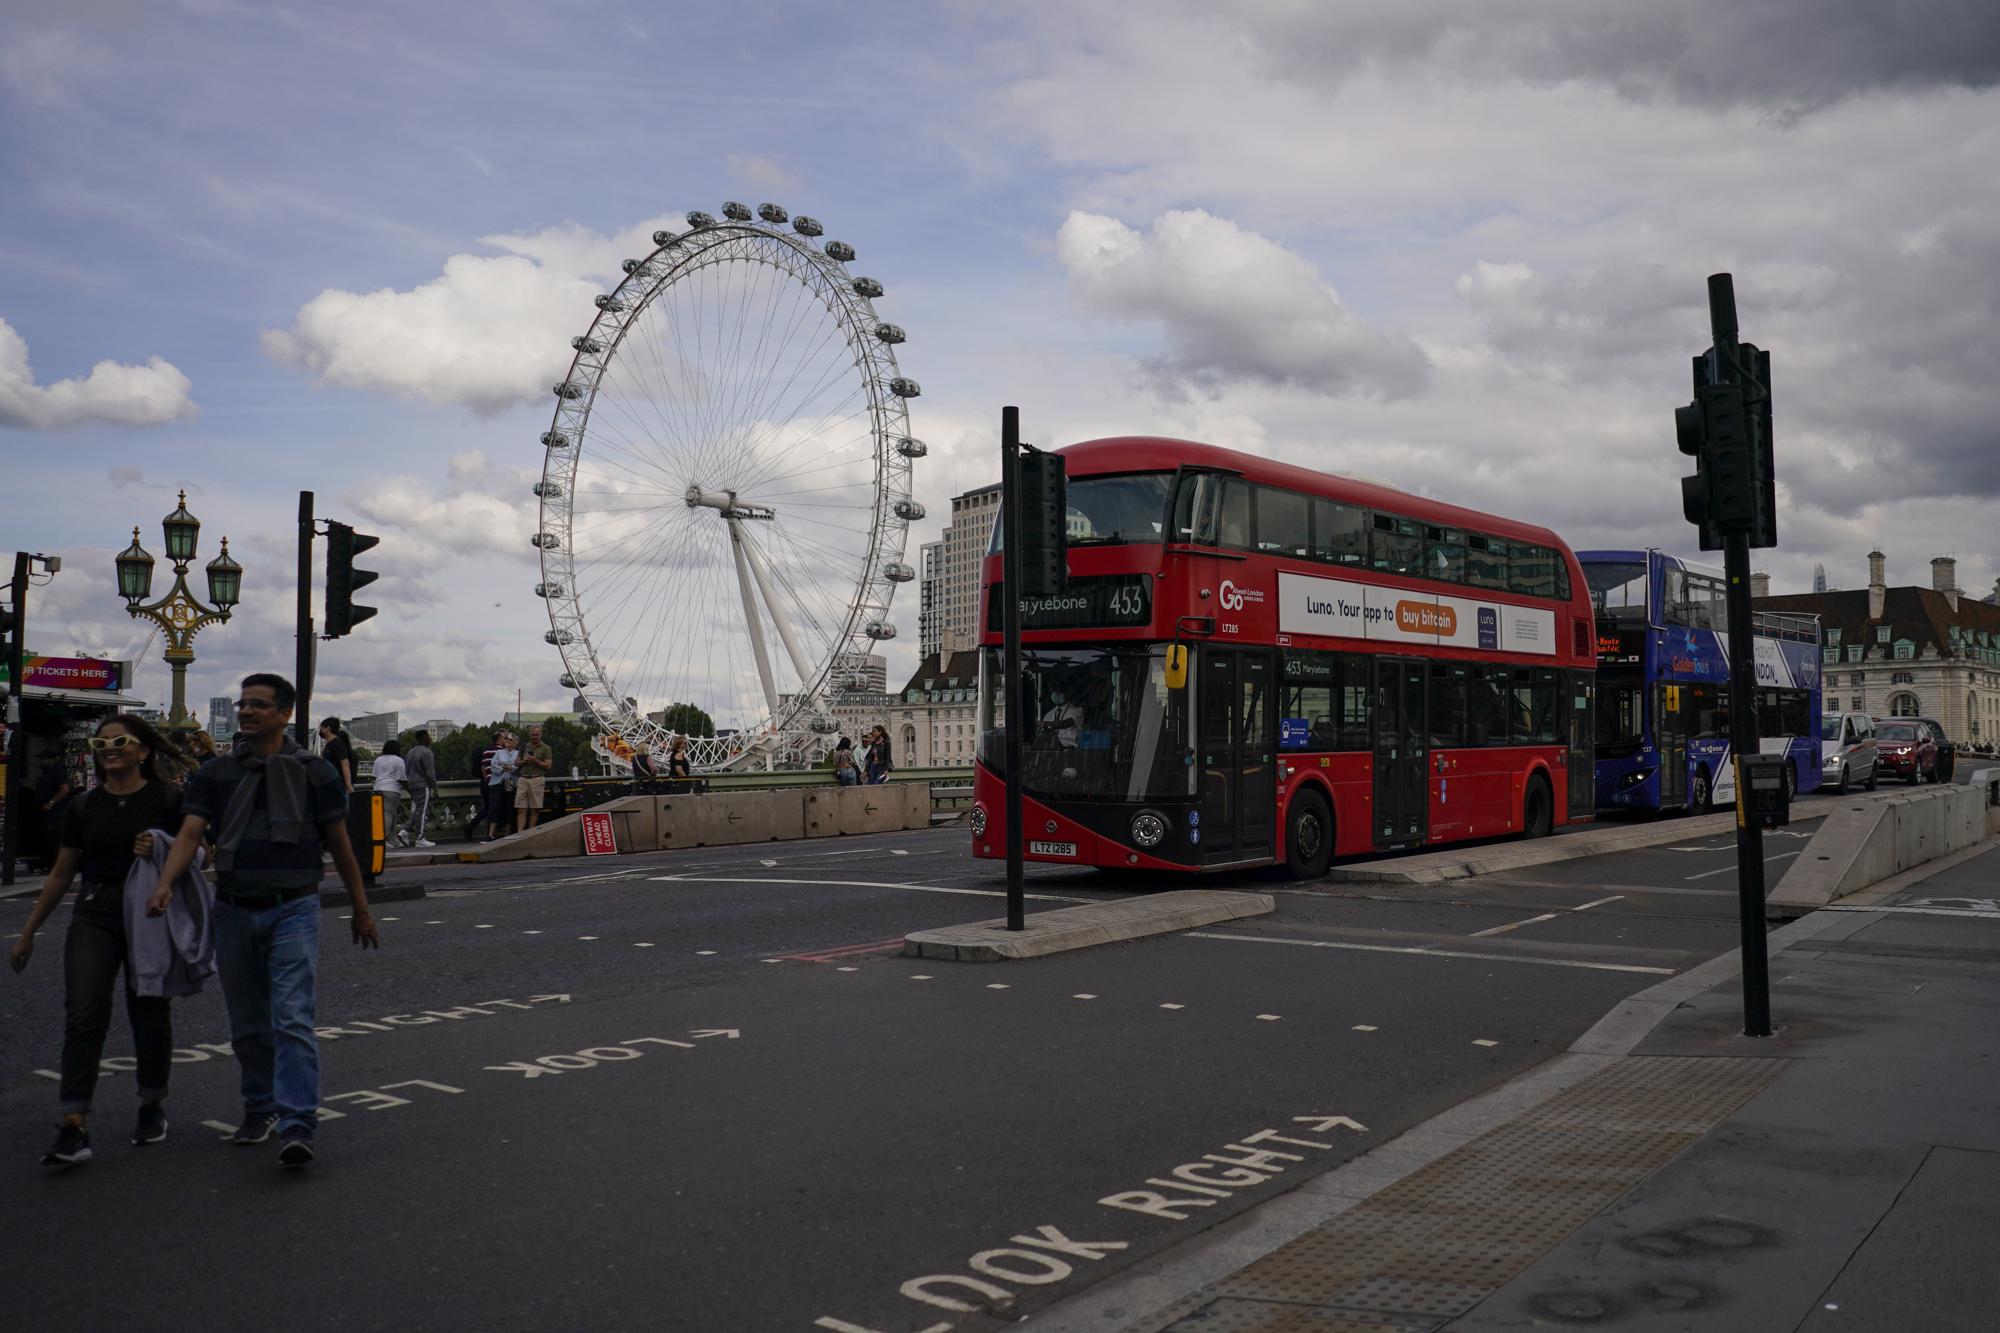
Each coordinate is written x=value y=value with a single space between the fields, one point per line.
x=1538 y=809
x=1308 y=835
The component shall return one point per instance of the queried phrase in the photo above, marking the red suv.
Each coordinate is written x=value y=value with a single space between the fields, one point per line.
x=1905 y=749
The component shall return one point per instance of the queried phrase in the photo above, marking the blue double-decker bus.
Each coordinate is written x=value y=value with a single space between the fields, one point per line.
x=1663 y=685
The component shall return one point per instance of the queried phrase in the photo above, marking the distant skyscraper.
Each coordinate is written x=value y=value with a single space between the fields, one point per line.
x=1819 y=578
x=221 y=716
x=375 y=728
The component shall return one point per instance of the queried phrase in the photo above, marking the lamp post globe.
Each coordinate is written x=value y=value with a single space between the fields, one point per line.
x=135 y=571
x=181 y=528
x=225 y=580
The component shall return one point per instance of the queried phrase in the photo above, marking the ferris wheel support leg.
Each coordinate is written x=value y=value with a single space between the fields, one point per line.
x=750 y=618
x=763 y=577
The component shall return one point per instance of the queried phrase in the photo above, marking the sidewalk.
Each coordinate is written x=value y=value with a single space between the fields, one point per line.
x=1668 y=1172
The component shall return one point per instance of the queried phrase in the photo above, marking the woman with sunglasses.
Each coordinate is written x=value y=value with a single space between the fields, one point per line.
x=101 y=834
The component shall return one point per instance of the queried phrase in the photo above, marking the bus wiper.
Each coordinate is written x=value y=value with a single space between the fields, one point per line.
x=1100 y=539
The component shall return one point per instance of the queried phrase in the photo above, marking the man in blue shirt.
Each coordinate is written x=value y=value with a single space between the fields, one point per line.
x=272 y=805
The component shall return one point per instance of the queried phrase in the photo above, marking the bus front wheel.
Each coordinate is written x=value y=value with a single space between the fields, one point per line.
x=1538 y=809
x=1308 y=835
x=1698 y=793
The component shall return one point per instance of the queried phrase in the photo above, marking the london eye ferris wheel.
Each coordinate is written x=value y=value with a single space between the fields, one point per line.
x=726 y=490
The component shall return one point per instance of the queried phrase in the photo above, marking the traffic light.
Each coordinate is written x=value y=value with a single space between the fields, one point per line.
x=1727 y=428
x=343 y=580
x=1043 y=490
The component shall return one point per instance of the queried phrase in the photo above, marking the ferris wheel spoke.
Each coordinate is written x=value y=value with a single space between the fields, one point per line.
x=829 y=372
x=770 y=391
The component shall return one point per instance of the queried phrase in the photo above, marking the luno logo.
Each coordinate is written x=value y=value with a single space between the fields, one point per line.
x=1233 y=597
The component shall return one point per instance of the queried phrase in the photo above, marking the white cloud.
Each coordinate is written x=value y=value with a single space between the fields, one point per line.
x=489 y=333
x=481 y=510
x=761 y=172
x=1232 y=305
x=112 y=394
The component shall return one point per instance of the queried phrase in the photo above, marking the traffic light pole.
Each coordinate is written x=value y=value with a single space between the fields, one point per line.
x=1743 y=739
x=302 y=670
x=1010 y=654
x=17 y=734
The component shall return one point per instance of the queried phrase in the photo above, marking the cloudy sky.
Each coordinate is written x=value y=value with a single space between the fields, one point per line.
x=254 y=248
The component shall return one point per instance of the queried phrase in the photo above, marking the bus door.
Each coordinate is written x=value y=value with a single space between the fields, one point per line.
x=1402 y=751
x=1238 y=748
x=1582 y=742
x=1670 y=732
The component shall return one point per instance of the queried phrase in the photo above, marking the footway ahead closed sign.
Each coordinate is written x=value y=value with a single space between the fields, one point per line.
x=598 y=839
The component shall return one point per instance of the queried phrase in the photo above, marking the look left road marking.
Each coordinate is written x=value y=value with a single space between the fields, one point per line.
x=861 y=884
x=1418 y=951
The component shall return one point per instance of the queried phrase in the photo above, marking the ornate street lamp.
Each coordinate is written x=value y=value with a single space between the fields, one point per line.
x=179 y=614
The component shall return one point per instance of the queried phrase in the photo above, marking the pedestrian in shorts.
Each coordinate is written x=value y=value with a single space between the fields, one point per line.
x=531 y=786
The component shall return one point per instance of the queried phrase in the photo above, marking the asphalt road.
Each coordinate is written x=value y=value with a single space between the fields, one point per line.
x=702 y=1090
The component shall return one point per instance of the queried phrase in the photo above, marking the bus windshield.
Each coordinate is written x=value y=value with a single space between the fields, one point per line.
x=1113 y=511
x=1101 y=724
x=1618 y=589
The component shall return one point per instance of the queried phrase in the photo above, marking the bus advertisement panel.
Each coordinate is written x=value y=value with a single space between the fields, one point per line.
x=1254 y=663
x=1663 y=696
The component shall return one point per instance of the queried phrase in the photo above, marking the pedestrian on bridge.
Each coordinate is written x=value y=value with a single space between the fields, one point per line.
x=421 y=768
x=276 y=805
x=535 y=761
x=391 y=778
x=103 y=832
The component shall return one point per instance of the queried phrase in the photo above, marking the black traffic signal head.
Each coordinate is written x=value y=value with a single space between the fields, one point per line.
x=343 y=580
x=1043 y=494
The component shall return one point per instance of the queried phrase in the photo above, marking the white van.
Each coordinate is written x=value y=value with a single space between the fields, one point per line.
x=1847 y=751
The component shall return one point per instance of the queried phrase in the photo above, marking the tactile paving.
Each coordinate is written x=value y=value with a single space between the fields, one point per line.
x=1439 y=1241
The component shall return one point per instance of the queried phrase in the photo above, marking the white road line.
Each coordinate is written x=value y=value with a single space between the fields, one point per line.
x=1083 y=995
x=704 y=953
x=531 y=932
x=1173 y=1006
x=642 y=946
x=1366 y=1027
x=1481 y=1041
x=1921 y=911
x=1513 y=925
x=920 y=977
x=1269 y=1018
x=766 y=863
x=862 y=884
x=1730 y=869
x=586 y=937
x=482 y=927
x=1424 y=952
x=850 y=969
x=1599 y=903
x=997 y=985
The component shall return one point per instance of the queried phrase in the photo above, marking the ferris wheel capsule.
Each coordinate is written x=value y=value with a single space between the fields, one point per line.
x=840 y=250
x=568 y=390
x=558 y=637
x=545 y=541
x=587 y=345
x=898 y=572
x=548 y=590
x=908 y=510
x=867 y=287
x=910 y=448
x=806 y=226
x=698 y=219
x=881 y=629
x=772 y=214
x=736 y=212
x=905 y=388
x=891 y=333
x=663 y=236
x=609 y=302
x=554 y=439
x=548 y=490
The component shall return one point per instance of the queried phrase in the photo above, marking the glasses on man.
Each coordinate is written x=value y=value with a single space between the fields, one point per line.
x=255 y=705
x=117 y=742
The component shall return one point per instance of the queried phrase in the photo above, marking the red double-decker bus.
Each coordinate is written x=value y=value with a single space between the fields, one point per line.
x=1255 y=663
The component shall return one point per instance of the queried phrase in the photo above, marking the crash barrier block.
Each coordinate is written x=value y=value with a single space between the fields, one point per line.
x=883 y=807
x=1864 y=842
x=634 y=823
x=723 y=818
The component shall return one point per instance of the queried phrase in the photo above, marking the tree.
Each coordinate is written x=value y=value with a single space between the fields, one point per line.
x=688 y=720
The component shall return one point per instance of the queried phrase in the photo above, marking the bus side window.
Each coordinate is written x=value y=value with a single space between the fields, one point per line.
x=1194 y=509
x=1447 y=703
x=1233 y=525
x=1284 y=523
x=1486 y=705
x=1545 y=704
x=1444 y=554
x=1354 y=702
x=1398 y=547
x=1340 y=533
x=1486 y=562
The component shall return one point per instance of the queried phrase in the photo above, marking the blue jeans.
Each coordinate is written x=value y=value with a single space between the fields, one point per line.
x=268 y=960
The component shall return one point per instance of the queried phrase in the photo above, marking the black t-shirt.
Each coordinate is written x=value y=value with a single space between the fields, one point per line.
x=337 y=750
x=260 y=864
x=103 y=827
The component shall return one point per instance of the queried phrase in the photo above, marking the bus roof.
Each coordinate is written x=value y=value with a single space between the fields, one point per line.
x=1154 y=453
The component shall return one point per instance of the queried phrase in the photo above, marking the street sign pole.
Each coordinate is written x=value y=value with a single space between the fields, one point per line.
x=1010 y=653
x=17 y=735
x=1743 y=739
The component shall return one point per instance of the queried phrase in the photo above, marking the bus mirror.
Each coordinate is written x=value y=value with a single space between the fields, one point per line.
x=1177 y=666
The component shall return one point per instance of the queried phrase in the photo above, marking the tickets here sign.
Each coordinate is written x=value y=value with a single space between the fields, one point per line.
x=598 y=838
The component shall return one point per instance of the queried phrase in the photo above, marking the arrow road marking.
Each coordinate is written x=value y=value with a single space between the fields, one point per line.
x=1731 y=869
x=730 y=1034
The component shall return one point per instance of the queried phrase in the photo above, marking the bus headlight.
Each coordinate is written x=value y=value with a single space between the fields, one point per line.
x=978 y=820
x=1148 y=829
x=1634 y=779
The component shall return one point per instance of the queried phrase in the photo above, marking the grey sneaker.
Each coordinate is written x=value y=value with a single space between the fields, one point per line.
x=256 y=1128
x=152 y=1126
x=297 y=1147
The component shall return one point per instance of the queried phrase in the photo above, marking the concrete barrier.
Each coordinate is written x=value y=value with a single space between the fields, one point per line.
x=634 y=822
x=721 y=819
x=881 y=808
x=1864 y=842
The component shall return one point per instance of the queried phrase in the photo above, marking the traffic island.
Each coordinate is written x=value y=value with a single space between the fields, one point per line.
x=1070 y=928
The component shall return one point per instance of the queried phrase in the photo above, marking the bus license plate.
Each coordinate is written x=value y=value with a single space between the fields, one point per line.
x=1052 y=848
